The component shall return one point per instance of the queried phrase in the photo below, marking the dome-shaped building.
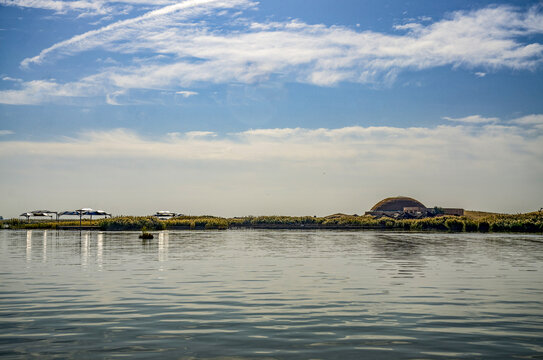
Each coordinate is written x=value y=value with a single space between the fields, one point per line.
x=400 y=206
x=397 y=204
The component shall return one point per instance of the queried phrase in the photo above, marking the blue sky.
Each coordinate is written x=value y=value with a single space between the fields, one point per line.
x=295 y=107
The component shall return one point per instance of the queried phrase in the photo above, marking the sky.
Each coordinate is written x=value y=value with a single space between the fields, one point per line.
x=242 y=107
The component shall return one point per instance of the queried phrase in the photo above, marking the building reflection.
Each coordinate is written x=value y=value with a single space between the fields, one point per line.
x=92 y=248
x=99 y=249
x=163 y=238
x=85 y=249
x=44 y=257
x=29 y=245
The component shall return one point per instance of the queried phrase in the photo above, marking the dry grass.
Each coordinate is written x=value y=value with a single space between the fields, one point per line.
x=476 y=215
x=471 y=222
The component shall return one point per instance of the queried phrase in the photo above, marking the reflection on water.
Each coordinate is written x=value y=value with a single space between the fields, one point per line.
x=270 y=294
x=403 y=255
x=162 y=248
x=44 y=257
x=99 y=249
x=84 y=249
x=29 y=245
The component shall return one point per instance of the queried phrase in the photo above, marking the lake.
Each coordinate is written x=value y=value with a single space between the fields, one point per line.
x=270 y=294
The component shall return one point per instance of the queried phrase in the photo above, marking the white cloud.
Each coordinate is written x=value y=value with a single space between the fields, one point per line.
x=150 y=25
x=481 y=38
x=199 y=134
x=108 y=61
x=86 y=8
x=91 y=7
x=490 y=38
x=6 y=132
x=186 y=93
x=534 y=119
x=409 y=26
x=111 y=98
x=271 y=171
x=383 y=143
x=480 y=74
x=472 y=119
x=8 y=78
x=42 y=91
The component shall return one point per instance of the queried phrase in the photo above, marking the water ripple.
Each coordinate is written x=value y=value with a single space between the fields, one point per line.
x=270 y=294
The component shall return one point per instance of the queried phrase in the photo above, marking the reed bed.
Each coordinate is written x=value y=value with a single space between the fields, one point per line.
x=481 y=222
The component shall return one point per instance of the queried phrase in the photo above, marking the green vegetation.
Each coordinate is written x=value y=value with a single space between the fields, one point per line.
x=197 y=223
x=146 y=235
x=45 y=224
x=471 y=222
x=131 y=223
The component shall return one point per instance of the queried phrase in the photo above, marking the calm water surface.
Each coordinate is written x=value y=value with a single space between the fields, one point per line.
x=270 y=294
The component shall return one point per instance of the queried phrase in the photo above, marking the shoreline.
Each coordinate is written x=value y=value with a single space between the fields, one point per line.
x=473 y=222
x=283 y=228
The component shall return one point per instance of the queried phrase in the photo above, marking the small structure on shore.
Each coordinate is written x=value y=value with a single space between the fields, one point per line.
x=51 y=214
x=39 y=213
x=84 y=212
x=403 y=207
x=165 y=215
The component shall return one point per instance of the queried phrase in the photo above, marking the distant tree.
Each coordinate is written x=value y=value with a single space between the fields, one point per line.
x=438 y=210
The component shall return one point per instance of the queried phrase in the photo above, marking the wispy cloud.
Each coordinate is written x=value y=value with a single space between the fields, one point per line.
x=43 y=91
x=287 y=170
x=197 y=51
x=8 y=78
x=472 y=119
x=96 y=7
x=484 y=37
x=6 y=132
x=299 y=144
x=111 y=98
x=534 y=119
x=533 y=122
x=83 y=7
x=193 y=135
x=146 y=26
x=186 y=93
